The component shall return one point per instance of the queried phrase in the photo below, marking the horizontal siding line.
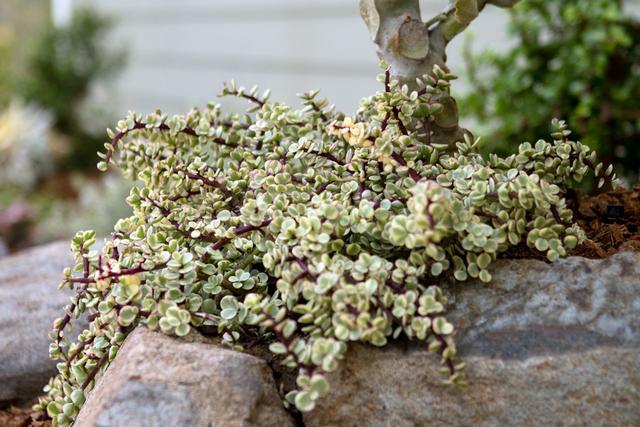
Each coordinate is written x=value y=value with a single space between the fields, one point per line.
x=159 y=100
x=152 y=92
x=207 y=16
x=153 y=96
x=265 y=65
x=218 y=4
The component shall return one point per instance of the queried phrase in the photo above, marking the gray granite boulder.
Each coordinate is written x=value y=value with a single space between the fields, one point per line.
x=29 y=302
x=157 y=380
x=544 y=345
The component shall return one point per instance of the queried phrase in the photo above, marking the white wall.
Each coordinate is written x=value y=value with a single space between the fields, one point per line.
x=180 y=51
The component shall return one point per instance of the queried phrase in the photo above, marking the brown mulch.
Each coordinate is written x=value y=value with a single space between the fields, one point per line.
x=22 y=417
x=610 y=220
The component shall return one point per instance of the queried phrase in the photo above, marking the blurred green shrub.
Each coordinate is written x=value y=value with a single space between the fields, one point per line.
x=6 y=42
x=61 y=70
x=45 y=83
x=575 y=59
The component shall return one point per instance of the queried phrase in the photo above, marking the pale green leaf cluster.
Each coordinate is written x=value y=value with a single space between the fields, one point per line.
x=306 y=229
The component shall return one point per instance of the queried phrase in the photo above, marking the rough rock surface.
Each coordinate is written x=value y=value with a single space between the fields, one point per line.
x=544 y=345
x=158 y=380
x=29 y=302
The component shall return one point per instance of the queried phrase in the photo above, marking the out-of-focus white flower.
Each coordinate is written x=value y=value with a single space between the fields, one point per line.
x=25 y=155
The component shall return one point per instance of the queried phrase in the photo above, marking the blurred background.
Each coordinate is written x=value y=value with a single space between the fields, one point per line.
x=71 y=68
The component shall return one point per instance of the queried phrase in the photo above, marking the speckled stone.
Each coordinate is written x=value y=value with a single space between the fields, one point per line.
x=157 y=380
x=29 y=302
x=545 y=344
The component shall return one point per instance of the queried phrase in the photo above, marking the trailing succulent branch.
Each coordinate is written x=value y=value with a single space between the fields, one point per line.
x=308 y=228
x=413 y=47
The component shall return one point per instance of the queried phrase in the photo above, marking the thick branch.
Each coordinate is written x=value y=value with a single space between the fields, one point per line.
x=412 y=47
x=462 y=12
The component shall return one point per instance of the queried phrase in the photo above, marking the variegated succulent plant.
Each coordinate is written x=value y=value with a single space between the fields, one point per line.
x=306 y=229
